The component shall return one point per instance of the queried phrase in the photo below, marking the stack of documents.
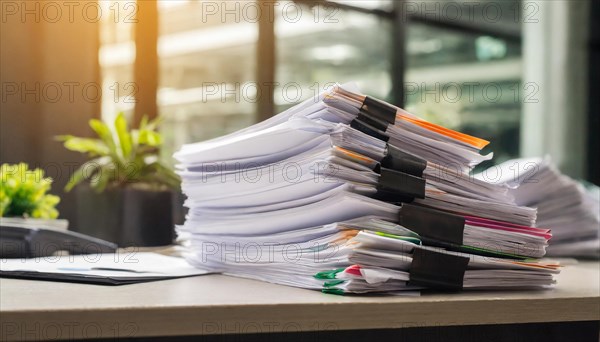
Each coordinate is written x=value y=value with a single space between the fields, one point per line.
x=564 y=205
x=349 y=194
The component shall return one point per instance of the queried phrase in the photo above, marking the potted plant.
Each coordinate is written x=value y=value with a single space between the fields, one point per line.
x=24 y=200
x=124 y=192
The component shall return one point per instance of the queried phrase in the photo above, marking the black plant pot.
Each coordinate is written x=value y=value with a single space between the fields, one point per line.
x=127 y=216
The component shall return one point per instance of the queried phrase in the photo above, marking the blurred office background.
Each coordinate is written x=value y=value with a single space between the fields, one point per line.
x=522 y=74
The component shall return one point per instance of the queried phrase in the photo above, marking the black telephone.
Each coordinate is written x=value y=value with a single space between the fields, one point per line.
x=19 y=242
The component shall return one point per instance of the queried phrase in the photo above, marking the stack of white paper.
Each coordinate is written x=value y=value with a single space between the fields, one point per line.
x=567 y=207
x=340 y=193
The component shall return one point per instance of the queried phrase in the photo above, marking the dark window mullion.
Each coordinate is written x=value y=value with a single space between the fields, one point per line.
x=265 y=61
x=146 y=60
x=398 y=53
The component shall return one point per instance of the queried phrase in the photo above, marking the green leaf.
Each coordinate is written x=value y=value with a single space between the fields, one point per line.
x=144 y=122
x=95 y=147
x=45 y=209
x=4 y=202
x=103 y=177
x=150 y=138
x=123 y=134
x=86 y=171
x=76 y=178
x=132 y=171
x=135 y=139
x=102 y=131
x=162 y=174
x=153 y=125
x=23 y=192
x=106 y=135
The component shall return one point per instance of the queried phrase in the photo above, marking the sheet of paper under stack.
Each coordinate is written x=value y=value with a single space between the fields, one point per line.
x=569 y=208
x=349 y=194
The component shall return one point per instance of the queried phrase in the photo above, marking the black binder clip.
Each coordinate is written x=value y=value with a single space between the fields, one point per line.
x=372 y=121
x=396 y=186
x=434 y=226
x=369 y=130
x=437 y=270
x=379 y=110
x=398 y=160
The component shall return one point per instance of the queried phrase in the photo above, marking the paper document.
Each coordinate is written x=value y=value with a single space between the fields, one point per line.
x=104 y=269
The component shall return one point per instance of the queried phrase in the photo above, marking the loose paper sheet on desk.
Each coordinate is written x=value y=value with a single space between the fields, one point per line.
x=570 y=208
x=349 y=194
x=102 y=269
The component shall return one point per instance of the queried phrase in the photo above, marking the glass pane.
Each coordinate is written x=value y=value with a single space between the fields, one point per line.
x=205 y=62
x=469 y=82
x=429 y=45
x=370 y=4
x=319 y=45
x=116 y=57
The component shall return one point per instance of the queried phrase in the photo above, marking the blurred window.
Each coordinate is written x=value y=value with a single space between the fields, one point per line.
x=319 y=45
x=462 y=66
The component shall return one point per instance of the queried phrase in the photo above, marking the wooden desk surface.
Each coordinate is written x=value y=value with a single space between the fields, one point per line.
x=215 y=304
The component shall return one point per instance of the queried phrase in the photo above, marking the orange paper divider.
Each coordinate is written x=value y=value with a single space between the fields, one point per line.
x=468 y=139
